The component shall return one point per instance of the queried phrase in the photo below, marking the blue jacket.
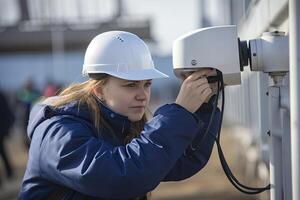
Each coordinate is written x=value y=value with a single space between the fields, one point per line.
x=66 y=152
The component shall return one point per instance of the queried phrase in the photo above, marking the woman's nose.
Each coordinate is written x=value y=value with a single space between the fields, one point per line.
x=141 y=94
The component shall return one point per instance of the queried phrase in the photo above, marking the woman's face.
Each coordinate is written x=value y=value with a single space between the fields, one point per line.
x=128 y=98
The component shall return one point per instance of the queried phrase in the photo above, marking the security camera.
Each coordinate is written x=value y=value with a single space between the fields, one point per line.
x=214 y=47
x=219 y=47
x=270 y=53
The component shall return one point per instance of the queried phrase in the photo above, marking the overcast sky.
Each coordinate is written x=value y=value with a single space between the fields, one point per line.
x=171 y=18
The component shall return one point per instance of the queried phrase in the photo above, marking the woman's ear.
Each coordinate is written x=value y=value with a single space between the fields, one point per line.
x=98 y=91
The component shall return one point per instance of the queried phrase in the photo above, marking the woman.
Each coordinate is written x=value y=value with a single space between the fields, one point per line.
x=93 y=141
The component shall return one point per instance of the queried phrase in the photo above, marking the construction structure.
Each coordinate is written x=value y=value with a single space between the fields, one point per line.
x=45 y=40
x=263 y=111
x=48 y=25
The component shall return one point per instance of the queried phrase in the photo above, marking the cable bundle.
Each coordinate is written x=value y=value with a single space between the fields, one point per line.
x=233 y=180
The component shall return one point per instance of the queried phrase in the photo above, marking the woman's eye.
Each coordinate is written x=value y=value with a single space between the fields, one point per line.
x=131 y=85
x=148 y=84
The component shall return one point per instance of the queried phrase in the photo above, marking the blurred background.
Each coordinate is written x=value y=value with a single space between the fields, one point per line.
x=42 y=46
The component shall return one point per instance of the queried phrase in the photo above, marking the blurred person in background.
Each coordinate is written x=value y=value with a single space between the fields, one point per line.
x=25 y=98
x=94 y=141
x=51 y=89
x=6 y=122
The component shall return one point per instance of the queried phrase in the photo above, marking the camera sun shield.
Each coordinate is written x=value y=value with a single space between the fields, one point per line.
x=213 y=47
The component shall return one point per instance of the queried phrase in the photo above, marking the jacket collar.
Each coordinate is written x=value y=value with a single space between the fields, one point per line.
x=119 y=123
x=40 y=112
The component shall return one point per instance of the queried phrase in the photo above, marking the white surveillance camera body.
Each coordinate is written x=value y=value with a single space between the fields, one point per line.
x=219 y=47
x=213 y=47
x=270 y=53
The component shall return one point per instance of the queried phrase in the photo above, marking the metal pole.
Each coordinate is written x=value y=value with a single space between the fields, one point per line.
x=286 y=154
x=294 y=28
x=286 y=137
x=275 y=144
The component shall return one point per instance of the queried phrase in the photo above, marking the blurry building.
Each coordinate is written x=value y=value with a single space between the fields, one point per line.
x=46 y=40
x=48 y=25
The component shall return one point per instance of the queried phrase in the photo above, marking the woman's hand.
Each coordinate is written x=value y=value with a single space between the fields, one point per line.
x=194 y=90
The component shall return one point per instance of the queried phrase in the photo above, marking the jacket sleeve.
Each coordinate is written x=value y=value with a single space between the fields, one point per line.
x=192 y=162
x=70 y=156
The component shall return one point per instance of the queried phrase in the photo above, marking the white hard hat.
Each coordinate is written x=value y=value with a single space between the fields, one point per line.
x=120 y=54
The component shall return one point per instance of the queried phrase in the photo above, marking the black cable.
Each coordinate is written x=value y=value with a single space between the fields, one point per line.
x=195 y=147
x=233 y=180
x=224 y=164
x=214 y=102
x=228 y=172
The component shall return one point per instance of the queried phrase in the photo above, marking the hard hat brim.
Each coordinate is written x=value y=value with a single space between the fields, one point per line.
x=145 y=74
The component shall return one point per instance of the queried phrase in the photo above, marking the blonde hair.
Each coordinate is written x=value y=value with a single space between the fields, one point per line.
x=84 y=95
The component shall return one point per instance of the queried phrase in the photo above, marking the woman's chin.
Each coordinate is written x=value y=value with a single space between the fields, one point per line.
x=135 y=118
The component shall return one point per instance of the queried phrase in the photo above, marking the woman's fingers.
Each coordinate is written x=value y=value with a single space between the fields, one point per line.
x=201 y=81
x=194 y=90
x=204 y=92
x=203 y=87
x=198 y=74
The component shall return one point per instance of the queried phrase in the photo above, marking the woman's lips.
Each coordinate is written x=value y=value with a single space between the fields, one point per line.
x=138 y=108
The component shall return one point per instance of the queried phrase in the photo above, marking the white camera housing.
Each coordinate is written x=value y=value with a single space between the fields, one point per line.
x=270 y=53
x=214 y=47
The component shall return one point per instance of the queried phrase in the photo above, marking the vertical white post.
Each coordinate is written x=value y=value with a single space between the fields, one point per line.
x=294 y=29
x=286 y=153
x=275 y=142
